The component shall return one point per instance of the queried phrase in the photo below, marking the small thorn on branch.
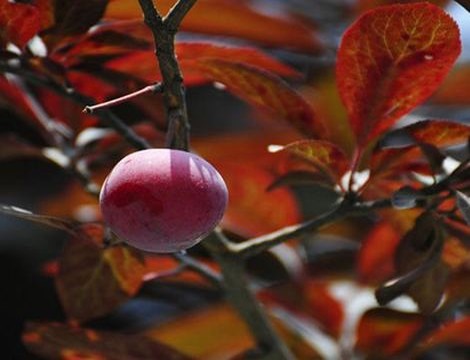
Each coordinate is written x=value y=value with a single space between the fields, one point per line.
x=154 y=88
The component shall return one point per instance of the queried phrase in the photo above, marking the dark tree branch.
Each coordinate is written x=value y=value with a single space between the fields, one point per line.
x=173 y=88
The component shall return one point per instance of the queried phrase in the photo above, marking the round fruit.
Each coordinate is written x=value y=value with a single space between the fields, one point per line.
x=163 y=200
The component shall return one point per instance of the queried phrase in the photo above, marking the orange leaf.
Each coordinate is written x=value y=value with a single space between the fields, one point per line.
x=93 y=281
x=59 y=341
x=193 y=333
x=230 y=18
x=252 y=210
x=18 y=23
x=391 y=60
x=383 y=332
x=375 y=258
x=245 y=147
x=455 y=254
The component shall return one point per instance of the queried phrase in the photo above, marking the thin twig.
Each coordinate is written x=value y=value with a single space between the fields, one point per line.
x=200 y=268
x=155 y=88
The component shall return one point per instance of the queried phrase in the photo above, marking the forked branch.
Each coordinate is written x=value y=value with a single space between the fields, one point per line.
x=163 y=31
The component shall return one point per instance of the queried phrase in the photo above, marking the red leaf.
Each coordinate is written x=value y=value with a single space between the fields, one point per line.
x=231 y=18
x=143 y=64
x=308 y=298
x=18 y=23
x=455 y=90
x=383 y=332
x=451 y=333
x=321 y=305
x=322 y=155
x=439 y=132
x=59 y=341
x=93 y=281
x=369 y=4
x=390 y=161
x=390 y=60
x=265 y=91
x=46 y=12
x=248 y=56
x=375 y=259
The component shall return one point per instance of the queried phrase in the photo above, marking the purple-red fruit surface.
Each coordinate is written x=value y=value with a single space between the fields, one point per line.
x=163 y=200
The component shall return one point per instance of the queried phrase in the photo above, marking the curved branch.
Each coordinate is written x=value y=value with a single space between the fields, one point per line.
x=262 y=243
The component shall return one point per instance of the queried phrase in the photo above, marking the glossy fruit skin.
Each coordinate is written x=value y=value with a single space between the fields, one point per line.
x=163 y=200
